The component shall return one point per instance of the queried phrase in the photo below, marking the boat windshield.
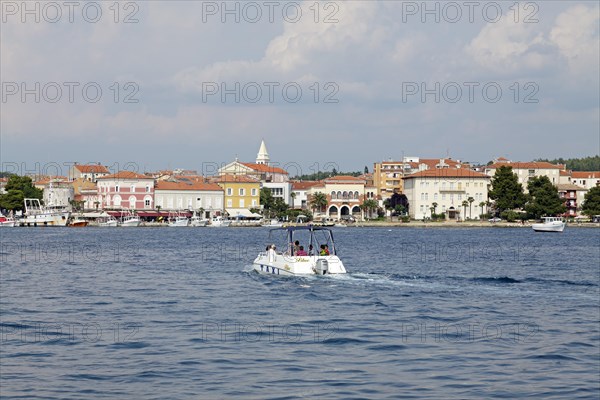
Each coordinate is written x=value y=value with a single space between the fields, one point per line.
x=311 y=240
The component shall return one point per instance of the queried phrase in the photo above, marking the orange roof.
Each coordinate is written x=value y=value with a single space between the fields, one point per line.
x=235 y=179
x=569 y=186
x=265 y=168
x=194 y=185
x=525 y=165
x=304 y=185
x=585 y=174
x=564 y=173
x=47 y=179
x=92 y=169
x=447 y=173
x=126 y=175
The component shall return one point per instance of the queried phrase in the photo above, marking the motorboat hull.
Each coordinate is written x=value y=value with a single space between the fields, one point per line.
x=199 y=222
x=179 y=223
x=130 y=223
x=60 y=219
x=279 y=264
x=549 y=227
x=108 y=224
x=78 y=224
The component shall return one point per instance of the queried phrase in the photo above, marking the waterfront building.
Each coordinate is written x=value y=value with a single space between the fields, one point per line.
x=57 y=192
x=572 y=195
x=345 y=195
x=86 y=192
x=585 y=179
x=528 y=170
x=387 y=175
x=189 y=194
x=241 y=193
x=300 y=189
x=126 y=190
x=447 y=188
x=88 y=172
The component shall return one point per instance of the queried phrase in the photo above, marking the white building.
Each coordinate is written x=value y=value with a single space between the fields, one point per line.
x=448 y=188
x=528 y=170
x=189 y=195
x=345 y=195
x=58 y=194
x=300 y=191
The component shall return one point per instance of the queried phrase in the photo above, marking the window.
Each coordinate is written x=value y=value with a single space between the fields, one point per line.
x=422 y=196
x=242 y=192
x=333 y=196
x=229 y=203
x=229 y=192
x=147 y=189
x=426 y=196
x=132 y=188
x=254 y=203
x=253 y=192
x=242 y=203
x=435 y=196
x=117 y=188
x=147 y=203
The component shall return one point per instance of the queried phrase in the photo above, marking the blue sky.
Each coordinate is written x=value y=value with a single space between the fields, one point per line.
x=378 y=80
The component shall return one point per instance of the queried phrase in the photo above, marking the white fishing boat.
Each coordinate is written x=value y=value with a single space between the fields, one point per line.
x=320 y=258
x=36 y=215
x=108 y=222
x=7 y=222
x=198 y=221
x=129 y=220
x=550 y=224
x=274 y=223
x=220 y=222
x=178 y=220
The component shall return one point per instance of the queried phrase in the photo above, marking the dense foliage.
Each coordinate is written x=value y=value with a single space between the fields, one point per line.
x=327 y=174
x=17 y=189
x=543 y=198
x=578 y=164
x=591 y=204
x=506 y=190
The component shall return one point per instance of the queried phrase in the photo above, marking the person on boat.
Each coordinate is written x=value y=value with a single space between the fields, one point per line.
x=301 y=251
x=311 y=250
x=324 y=250
x=272 y=252
x=296 y=247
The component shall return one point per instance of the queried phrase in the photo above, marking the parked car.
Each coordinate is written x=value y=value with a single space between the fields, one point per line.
x=495 y=219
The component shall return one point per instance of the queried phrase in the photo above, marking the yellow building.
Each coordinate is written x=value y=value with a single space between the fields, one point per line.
x=241 y=194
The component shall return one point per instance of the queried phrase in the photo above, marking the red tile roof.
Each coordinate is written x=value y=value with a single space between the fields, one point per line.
x=585 y=174
x=304 y=185
x=265 y=168
x=126 y=175
x=92 y=169
x=525 y=165
x=447 y=173
x=194 y=186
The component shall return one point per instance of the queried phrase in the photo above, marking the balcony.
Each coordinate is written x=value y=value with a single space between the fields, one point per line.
x=453 y=190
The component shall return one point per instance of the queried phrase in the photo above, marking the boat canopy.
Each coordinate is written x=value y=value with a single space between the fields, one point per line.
x=311 y=230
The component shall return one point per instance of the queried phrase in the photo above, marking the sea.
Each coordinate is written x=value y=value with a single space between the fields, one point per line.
x=177 y=313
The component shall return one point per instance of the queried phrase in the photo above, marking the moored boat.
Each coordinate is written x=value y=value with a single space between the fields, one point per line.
x=320 y=259
x=220 y=222
x=7 y=222
x=178 y=220
x=109 y=221
x=550 y=224
x=36 y=215
x=129 y=220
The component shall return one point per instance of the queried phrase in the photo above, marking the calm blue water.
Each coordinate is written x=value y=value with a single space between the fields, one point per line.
x=175 y=314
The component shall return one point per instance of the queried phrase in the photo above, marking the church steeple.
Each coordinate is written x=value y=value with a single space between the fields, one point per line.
x=263 y=155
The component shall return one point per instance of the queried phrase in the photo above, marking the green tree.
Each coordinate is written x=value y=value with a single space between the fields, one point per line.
x=368 y=206
x=465 y=204
x=266 y=200
x=434 y=205
x=318 y=201
x=470 y=200
x=366 y=169
x=400 y=209
x=543 y=198
x=591 y=203
x=293 y=197
x=18 y=188
x=481 y=205
x=506 y=190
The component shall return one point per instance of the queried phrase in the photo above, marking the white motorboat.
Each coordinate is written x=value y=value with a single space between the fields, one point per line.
x=198 y=221
x=109 y=221
x=7 y=222
x=550 y=224
x=36 y=215
x=320 y=258
x=178 y=220
x=129 y=220
x=274 y=223
x=220 y=222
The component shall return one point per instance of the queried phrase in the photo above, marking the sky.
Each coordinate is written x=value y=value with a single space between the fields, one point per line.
x=148 y=85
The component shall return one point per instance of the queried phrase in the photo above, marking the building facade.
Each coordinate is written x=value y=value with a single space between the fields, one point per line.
x=345 y=195
x=445 y=190
x=528 y=170
x=241 y=193
x=193 y=196
x=88 y=172
x=126 y=190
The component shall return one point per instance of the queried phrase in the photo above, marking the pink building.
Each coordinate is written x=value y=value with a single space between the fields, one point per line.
x=126 y=190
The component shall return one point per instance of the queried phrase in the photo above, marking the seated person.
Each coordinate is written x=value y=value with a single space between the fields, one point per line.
x=324 y=250
x=301 y=252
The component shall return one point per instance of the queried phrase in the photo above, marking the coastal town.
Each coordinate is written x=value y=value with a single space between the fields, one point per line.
x=262 y=193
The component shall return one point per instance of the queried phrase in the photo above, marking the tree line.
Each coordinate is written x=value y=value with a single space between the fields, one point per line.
x=577 y=164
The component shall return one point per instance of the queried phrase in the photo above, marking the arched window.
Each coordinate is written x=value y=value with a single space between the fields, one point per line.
x=356 y=195
x=339 y=195
x=333 y=196
x=345 y=195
